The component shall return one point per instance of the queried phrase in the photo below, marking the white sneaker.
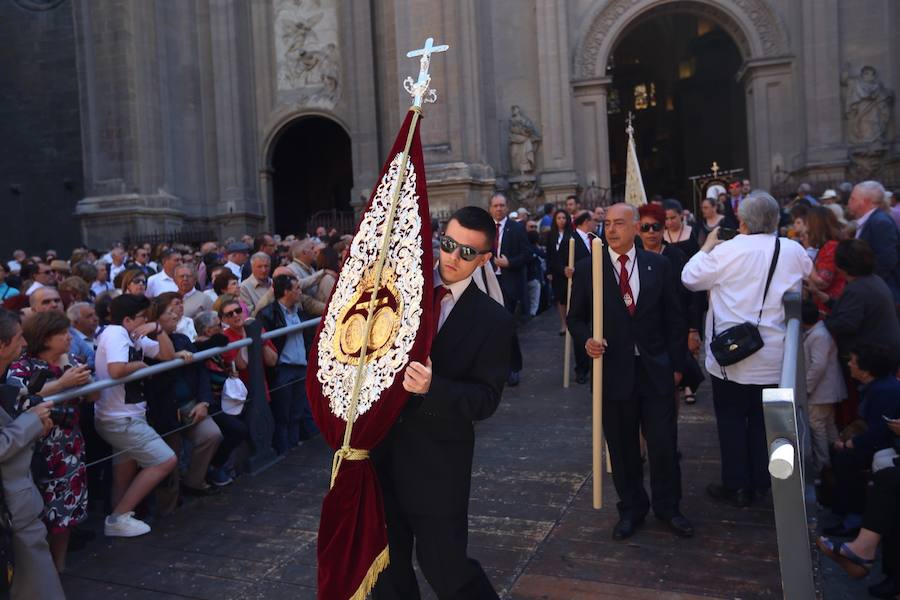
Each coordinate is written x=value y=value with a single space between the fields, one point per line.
x=125 y=526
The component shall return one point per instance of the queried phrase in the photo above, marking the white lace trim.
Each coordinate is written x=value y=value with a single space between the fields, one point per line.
x=405 y=260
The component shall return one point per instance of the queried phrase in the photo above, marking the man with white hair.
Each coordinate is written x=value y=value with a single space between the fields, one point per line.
x=254 y=287
x=726 y=269
x=878 y=228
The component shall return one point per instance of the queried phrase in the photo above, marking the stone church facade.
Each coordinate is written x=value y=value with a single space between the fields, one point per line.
x=182 y=103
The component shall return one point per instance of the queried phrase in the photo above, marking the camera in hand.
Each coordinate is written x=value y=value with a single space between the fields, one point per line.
x=727 y=233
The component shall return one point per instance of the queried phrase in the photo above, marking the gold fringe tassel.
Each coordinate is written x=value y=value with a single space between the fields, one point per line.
x=378 y=565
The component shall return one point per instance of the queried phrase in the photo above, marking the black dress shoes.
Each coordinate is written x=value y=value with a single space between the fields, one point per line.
x=741 y=498
x=680 y=526
x=625 y=528
x=513 y=380
x=886 y=589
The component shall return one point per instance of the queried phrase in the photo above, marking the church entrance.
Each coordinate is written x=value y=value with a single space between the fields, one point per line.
x=676 y=72
x=312 y=175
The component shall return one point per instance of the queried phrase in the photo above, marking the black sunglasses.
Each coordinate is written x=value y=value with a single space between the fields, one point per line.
x=645 y=227
x=467 y=253
x=232 y=313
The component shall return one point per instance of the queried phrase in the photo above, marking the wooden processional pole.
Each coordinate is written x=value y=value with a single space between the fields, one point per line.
x=597 y=391
x=568 y=351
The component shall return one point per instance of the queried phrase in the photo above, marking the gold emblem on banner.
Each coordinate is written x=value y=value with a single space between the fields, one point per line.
x=351 y=321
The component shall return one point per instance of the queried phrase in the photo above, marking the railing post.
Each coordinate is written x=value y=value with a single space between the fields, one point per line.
x=784 y=411
x=257 y=412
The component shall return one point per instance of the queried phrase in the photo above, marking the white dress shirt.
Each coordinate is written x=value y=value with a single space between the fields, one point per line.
x=860 y=222
x=159 y=283
x=114 y=270
x=586 y=238
x=234 y=268
x=634 y=279
x=735 y=273
x=502 y=225
x=34 y=287
x=449 y=300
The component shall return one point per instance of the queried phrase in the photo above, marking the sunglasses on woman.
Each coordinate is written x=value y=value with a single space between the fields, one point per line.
x=139 y=281
x=232 y=313
x=645 y=227
x=467 y=253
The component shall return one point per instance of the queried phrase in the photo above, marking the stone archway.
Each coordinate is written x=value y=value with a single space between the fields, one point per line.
x=766 y=74
x=309 y=171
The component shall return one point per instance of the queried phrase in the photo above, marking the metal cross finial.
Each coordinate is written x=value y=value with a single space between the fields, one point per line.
x=629 y=121
x=715 y=169
x=419 y=89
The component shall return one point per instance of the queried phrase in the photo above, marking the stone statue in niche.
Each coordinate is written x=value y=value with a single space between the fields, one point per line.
x=868 y=106
x=523 y=142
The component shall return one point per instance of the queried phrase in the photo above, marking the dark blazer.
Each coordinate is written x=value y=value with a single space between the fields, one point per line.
x=881 y=233
x=272 y=318
x=516 y=249
x=657 y=327
x=731 y=219
x=427 y=457
x=693 y=303
x=865 y=312
x=880 y=398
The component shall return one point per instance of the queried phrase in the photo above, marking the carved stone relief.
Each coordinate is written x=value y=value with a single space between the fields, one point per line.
x=306 y=49
x=523 y=142
x=867 y=106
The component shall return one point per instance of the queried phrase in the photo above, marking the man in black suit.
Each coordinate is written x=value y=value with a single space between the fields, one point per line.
x=585 y=226
x=643 y=357
x=425 y=463
x=511 y=254
x=878 y=228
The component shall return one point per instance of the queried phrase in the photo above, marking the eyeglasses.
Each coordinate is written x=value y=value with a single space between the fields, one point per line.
x=139 y=281
x=645 y=227
x=232 y=313
x=467 y=253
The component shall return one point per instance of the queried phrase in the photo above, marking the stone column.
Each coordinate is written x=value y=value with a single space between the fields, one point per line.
x=558 y=177
x=119 y=83
x=774 y=147
x=592 y=132
x=821 y=84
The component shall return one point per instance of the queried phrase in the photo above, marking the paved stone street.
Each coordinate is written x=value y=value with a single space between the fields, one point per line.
x=531 y=522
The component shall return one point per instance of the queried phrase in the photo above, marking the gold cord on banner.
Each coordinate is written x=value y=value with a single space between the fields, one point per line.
x=346 y=452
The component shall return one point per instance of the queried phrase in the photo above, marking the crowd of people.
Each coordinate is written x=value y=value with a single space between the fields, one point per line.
x=149 y=443
x=105 y=314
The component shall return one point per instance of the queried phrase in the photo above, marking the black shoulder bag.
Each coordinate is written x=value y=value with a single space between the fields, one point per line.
x=737 y=343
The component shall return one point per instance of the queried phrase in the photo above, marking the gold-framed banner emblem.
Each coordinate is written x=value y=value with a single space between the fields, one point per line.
x=351 y=320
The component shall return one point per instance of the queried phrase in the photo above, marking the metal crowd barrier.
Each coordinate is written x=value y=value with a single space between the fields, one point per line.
x=256 y=410
x=784 y=409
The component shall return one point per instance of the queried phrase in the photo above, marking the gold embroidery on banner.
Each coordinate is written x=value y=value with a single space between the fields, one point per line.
x=351 y=321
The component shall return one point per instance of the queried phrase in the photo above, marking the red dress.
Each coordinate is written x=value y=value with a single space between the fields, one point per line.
x=827 y=271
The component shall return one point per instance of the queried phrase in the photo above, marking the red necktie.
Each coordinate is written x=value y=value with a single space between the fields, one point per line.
x=625 y=287
x=497 y=241
x=439 y=293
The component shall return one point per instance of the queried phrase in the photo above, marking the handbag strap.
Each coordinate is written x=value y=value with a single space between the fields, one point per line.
x=769 y=278
x=765 y=291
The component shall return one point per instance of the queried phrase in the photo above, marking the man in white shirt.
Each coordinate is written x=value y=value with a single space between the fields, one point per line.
x=237 y=253
x=84 y=323
x=734 y=273
x=116 y=262
x=41 y=277
x=15 y=265
x=164 y=281
x=120 y=413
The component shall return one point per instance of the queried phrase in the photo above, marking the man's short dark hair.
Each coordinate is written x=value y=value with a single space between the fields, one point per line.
x=259 y=241
x=167 y=253
x=9 y=321
x=281 y=284
x=809 y=312
x=127 y=305
x=581 y=218
x=477 y=219
x=855 y=257
x=877 y=359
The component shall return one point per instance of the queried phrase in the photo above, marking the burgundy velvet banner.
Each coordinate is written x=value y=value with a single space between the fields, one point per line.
x=352 y=544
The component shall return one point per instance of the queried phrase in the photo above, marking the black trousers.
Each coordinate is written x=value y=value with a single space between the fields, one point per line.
x=850 y=481
x=742 y=435
x=234 y=432
x=653 y=413
x=510 y=301
x=882 y=516
x=440 y=543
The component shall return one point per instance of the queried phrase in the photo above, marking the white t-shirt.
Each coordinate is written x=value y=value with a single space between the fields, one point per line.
x=112 y=347
x=160 y=283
